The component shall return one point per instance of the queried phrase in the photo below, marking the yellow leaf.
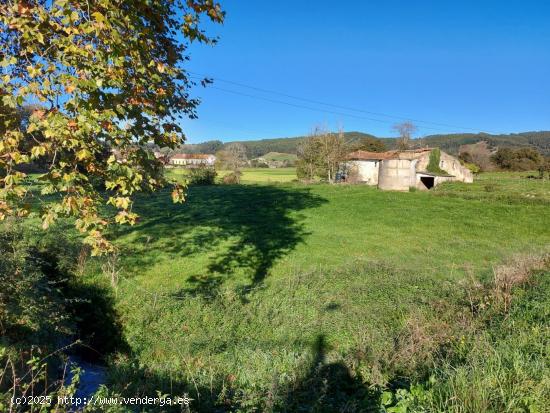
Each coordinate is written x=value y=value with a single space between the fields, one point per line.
x=83 y=154
x=37 y=151
x=100 y=18
x=122 y=202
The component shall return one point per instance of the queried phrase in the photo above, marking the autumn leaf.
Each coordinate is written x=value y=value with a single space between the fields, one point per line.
x=98 y=17
x=83 y=154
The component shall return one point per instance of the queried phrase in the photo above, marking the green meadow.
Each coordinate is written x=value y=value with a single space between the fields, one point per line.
x=249 y=175
x=278 y=296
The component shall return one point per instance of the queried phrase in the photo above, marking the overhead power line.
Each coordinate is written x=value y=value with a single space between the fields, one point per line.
x=455 y=128
x=295 y=105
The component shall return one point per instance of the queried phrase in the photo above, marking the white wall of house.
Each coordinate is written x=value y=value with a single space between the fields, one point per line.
x=193 y=161
x=367 y=171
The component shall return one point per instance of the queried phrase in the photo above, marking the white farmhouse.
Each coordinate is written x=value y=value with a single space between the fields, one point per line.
x=192 y=160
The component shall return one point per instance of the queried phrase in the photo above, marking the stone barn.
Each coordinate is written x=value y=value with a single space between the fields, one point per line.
x=402 y=170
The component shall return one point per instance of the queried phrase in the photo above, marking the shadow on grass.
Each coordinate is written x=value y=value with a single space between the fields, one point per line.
x=242 y=228
x=89 y=307
x=329 y=387
x=97 y=323
x=325 y=387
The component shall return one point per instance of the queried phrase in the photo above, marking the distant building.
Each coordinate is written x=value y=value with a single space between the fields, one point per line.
x=192 y=160
x=402 y=170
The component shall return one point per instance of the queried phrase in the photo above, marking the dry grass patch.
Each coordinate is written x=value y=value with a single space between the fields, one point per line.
x=516 y=272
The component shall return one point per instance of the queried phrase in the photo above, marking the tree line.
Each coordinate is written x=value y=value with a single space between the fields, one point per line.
x=449 y=143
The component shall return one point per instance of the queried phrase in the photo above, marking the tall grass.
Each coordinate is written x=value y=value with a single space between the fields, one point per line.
x=323 y=350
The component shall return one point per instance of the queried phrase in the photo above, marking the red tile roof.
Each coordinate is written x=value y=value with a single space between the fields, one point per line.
x=378 y=156
x=370 y=156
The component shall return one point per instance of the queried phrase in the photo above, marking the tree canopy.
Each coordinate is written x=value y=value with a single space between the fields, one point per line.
x=370 y=144
x=321 y=154
x=523 y=159
x=104 y=78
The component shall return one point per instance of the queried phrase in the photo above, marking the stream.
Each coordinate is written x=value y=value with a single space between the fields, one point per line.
x=92 y=376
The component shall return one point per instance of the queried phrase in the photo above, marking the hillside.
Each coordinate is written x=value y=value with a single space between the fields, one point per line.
x=449 y=143
x=279 y=156
x=288 y=145
x=257 y=148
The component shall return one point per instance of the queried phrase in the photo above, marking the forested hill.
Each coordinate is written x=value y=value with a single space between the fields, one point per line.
x=451 y=143
x=448 y=143
x=257 y=148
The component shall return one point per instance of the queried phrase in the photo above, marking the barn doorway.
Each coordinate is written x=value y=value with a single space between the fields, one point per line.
x=428 y=181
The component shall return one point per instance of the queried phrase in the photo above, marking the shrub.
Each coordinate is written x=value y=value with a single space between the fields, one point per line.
x=478 y=154
x=475 y=169
x=304 y=170
x=31 y=309
x=349 y=175
x=523 y=159
x=433 y=165
x=202 y=176
x=234 y=178
x=259 y=163
x=34 y=315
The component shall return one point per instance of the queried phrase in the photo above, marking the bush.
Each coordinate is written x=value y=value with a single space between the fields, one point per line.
x=433 y=165
x=475 y=169
x=35 y=315
x=256 y=163
x=234 y=178
x=31 y=307
x=523 y=159
x=202 y=176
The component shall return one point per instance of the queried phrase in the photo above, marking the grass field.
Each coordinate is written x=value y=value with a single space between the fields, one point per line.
x=513 y=186
x=249 y=175
x=243 y=293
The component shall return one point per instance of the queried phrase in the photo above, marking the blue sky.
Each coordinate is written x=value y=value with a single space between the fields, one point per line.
x=474 y=65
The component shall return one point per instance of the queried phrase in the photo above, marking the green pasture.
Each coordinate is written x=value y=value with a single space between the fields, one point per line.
x=249 y=175
x=243 y=287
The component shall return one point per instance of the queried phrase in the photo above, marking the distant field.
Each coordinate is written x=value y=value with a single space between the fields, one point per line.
x=243 y=287
x=279 y=156
x=250 y=175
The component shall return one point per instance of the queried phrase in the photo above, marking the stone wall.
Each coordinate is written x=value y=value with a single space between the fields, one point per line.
x=449 y=164
x=397 y=174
